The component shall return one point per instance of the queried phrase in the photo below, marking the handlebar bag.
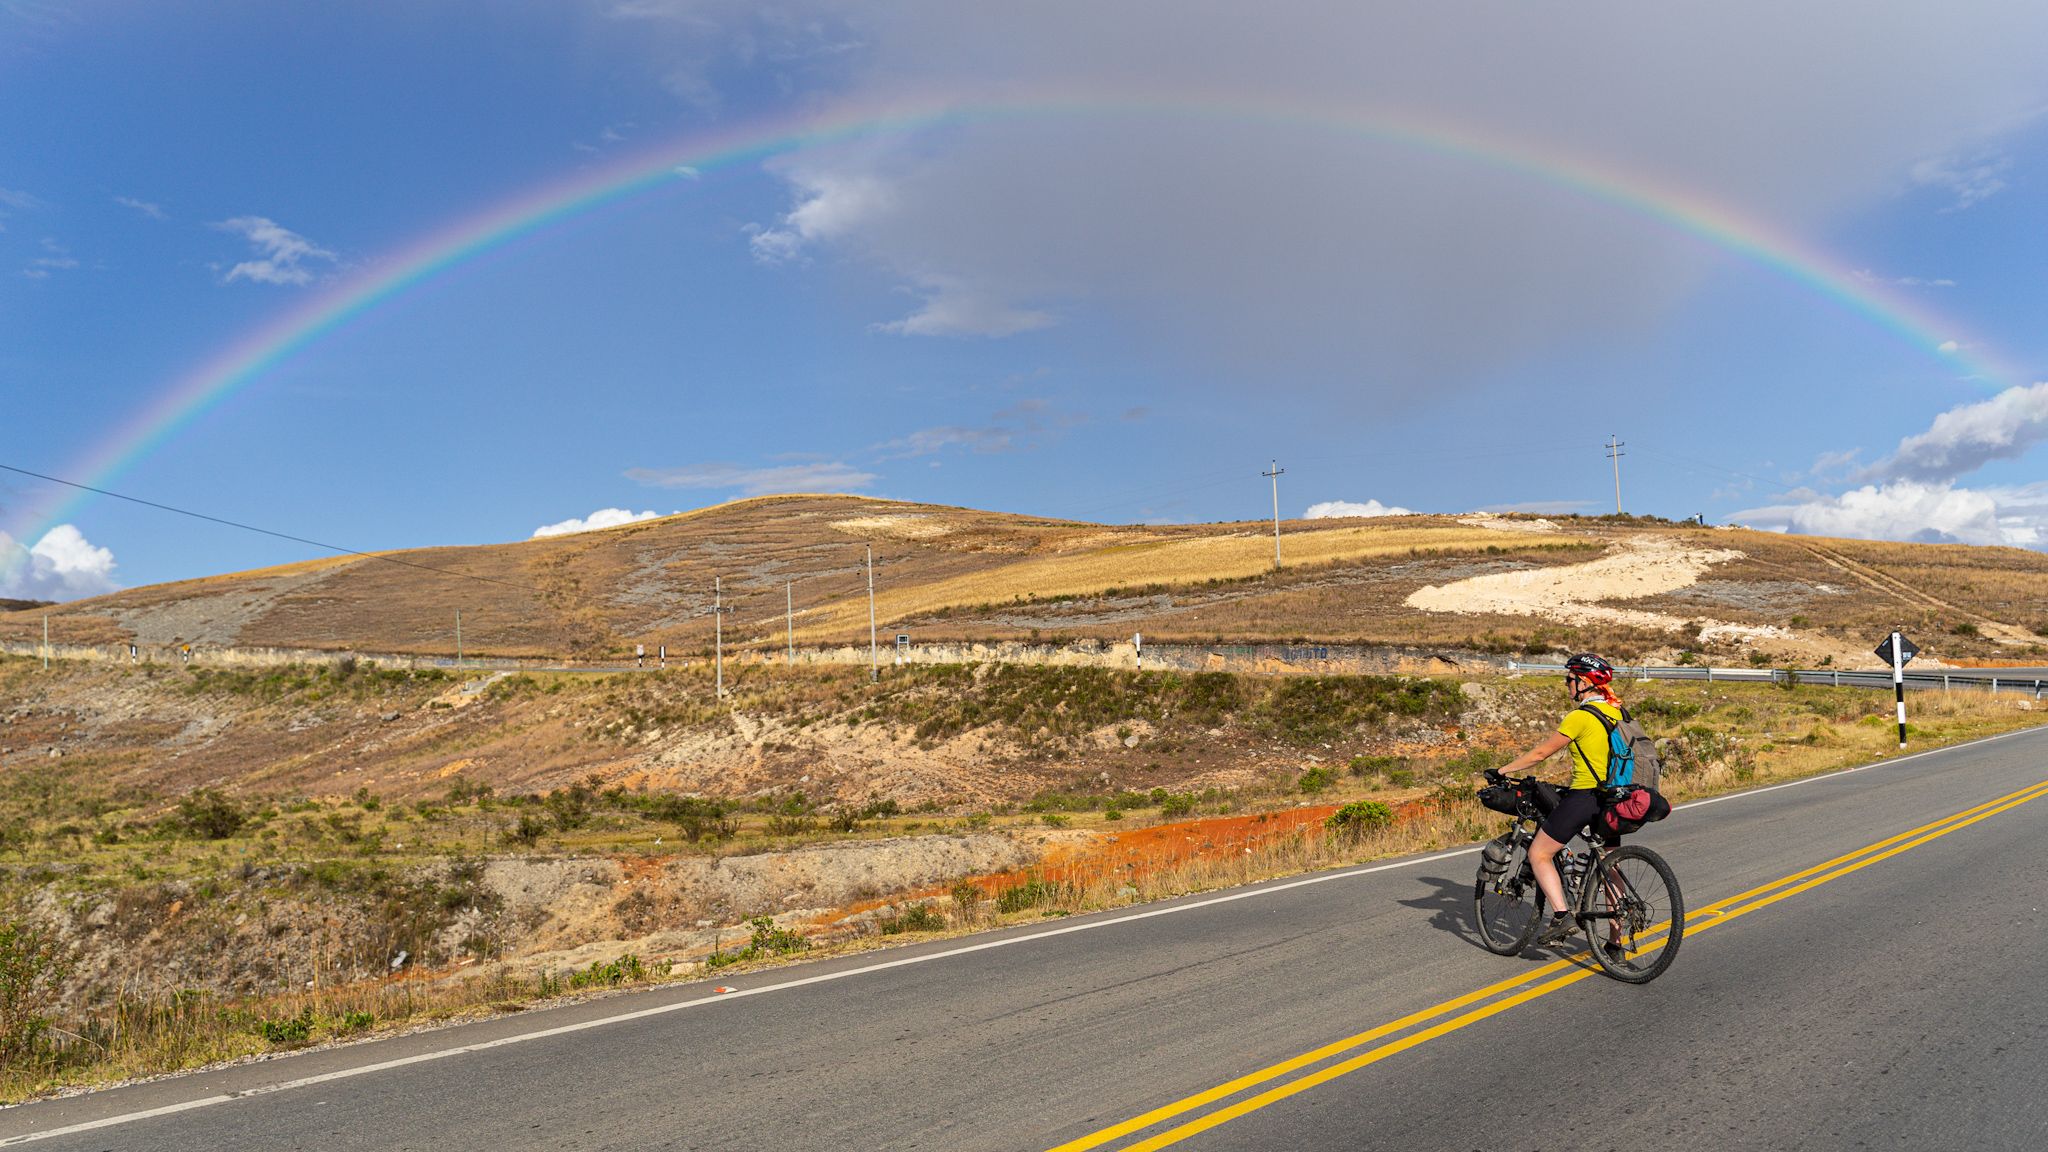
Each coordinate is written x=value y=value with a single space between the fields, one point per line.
x=1505 y=798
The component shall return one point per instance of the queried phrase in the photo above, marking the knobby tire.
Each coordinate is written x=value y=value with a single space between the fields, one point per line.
x=1635 y=898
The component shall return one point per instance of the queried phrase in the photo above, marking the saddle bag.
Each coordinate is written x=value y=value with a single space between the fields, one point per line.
x=1627 y=808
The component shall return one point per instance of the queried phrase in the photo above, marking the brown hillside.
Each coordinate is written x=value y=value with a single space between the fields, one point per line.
x=945 y=573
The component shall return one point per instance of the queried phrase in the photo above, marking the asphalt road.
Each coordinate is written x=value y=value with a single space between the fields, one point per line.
x=1896 y=1003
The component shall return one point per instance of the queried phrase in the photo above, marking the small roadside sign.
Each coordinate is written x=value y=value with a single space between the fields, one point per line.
x=1907 y=649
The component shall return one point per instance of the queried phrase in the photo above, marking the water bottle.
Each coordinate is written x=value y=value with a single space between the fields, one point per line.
x=1574 y=865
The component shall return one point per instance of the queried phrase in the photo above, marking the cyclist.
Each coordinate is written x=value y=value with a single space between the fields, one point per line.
x=1586 y=678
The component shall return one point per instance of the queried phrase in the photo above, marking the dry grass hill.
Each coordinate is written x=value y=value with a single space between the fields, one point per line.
x=209 y=840
x=1624 y=585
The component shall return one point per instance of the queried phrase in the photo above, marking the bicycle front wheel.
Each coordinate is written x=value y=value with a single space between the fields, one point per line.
x=1506 y=905
x=1637 y=915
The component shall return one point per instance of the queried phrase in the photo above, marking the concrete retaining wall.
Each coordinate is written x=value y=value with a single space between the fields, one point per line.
x=1255 y=659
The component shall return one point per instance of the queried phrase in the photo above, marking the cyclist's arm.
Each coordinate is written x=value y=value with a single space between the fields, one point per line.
x=1538 y=754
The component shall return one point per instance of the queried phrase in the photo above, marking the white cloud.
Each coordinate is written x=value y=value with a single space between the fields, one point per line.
x=828 y=207
x=1915 y=495
x=153 y=211
x=1970 y=180
x=1869 y=277
x=815 y=477
x=952 y=308
x=62 y=566
x=602 y=518
x=1908 y=510
x=55 y=256
x=1332 y=508
x=1946 y=346
x=1965 y=438
x=14 y=199
x=281 y=249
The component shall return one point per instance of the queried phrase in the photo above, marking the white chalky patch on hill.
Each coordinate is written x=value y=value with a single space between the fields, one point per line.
x=903 y=527
x=1643 y=566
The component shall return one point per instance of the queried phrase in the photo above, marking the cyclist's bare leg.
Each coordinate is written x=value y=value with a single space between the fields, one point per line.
x=1543 y=862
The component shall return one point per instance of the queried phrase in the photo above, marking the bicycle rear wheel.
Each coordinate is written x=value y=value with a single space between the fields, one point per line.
x=1506 y=905
x=1638 y=916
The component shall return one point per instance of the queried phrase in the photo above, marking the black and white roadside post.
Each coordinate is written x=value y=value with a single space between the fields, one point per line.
x=664 y=657
x=639 y=655
x=1138 y=649
x=1896 y=649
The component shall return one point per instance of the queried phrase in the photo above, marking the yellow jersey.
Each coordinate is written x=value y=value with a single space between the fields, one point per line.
x=1590 y=745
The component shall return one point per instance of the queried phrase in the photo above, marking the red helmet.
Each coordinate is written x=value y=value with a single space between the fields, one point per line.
x=1590 y=668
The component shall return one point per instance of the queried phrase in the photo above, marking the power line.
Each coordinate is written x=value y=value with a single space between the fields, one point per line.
x=268 y=532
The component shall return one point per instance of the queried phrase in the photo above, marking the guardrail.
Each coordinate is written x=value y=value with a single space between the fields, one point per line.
x=1834 y=678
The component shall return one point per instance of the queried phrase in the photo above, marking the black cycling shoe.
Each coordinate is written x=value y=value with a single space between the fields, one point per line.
x=1560 y=927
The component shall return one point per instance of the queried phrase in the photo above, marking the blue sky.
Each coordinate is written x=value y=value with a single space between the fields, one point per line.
x=1118 y=313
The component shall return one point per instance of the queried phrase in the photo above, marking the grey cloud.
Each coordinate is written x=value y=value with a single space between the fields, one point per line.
x=1009 y=430
x=1269 y=237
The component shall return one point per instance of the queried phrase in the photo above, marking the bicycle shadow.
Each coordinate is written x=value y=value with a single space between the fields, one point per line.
x=1450 y=909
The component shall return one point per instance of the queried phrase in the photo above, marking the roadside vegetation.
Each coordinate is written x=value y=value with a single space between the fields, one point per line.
x=1337 y=774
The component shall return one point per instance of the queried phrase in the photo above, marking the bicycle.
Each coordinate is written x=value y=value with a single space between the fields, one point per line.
x=1629 y=890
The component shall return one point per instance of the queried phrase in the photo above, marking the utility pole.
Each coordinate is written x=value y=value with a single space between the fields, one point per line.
x=1276 y=474
x=789 y=618
x=1615 y=454
x=46 y=641
x=718 y=633
x=874 y=653
x=458 y=639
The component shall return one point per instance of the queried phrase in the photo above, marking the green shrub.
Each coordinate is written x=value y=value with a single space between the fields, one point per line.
x=768 y=940
x=693 y=816
x=919 y=917
x=1361 y=816
x=1669 y=709
x=291 y=1030
x=527 y=832
x=1320 y=709
x=209 y=815
x=1377 y=765
x=32 y=967
x=1316 y=779
x=1180 y=804
x=1029 y=894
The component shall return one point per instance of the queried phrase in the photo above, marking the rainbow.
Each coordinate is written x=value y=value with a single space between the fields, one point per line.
x=550 y=205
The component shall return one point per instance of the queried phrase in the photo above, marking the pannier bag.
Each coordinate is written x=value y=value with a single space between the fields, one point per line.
x=1631 y=754
x=1628 y=808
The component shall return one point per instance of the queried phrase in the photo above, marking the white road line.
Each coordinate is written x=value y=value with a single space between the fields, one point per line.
x=715 y=998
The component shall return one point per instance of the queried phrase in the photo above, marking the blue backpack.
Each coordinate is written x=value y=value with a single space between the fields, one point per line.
x=1631 y=754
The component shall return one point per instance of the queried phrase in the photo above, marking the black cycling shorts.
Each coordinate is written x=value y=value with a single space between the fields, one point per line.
x=1575 y=809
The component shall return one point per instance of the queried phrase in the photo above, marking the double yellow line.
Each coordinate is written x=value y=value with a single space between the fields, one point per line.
x=1496 y=998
